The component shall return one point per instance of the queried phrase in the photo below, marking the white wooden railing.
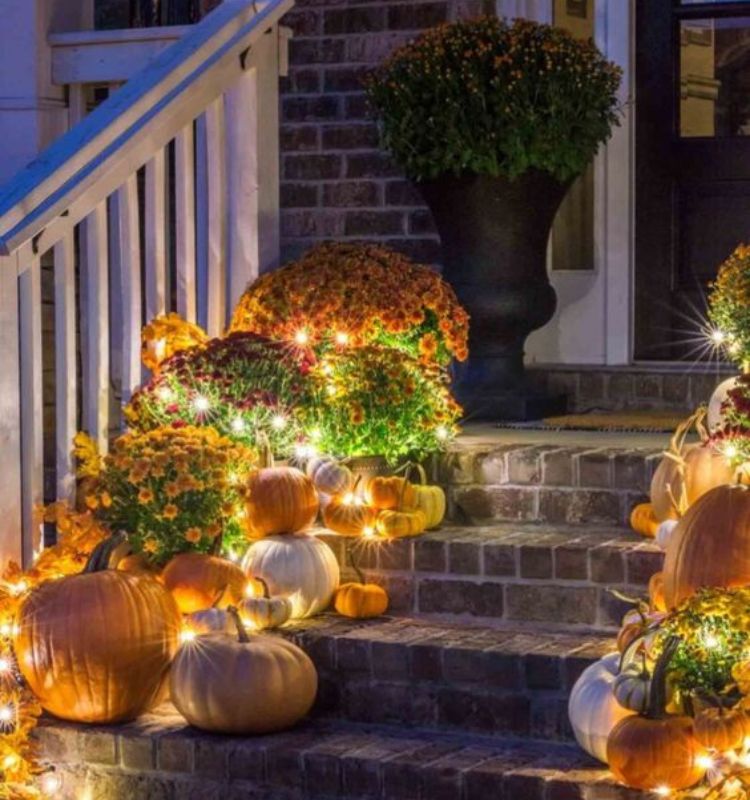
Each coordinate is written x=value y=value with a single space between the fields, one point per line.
x=206 y=108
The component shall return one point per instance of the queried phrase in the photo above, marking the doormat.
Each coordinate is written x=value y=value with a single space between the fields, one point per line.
x=620 y=421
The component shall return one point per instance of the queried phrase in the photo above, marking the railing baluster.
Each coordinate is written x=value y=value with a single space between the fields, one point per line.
x=217 y=220
x=130 y=277
x=96 y=394
x=184 y=223
x=155 y=234
x=32 y=432
x=66 y=377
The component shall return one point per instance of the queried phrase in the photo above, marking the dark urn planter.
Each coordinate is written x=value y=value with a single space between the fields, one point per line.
x=494 y=234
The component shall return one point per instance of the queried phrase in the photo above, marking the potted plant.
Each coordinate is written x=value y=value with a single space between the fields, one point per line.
x=493 y=121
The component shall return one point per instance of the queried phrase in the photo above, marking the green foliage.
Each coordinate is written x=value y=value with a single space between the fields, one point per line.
x=487 y=97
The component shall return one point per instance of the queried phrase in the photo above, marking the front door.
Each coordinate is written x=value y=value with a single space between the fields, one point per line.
x=692 y=163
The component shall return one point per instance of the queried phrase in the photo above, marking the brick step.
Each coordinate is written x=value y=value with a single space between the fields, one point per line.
x=448 y=677
x=511 y=475
x=159 y=757
x=510 y=572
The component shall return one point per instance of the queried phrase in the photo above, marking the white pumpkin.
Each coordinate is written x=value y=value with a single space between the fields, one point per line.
x=714 y=418
x=664 y=532
x=300 y=567
x=592 y=708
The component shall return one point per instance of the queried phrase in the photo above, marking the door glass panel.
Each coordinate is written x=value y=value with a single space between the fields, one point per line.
x=715 y=77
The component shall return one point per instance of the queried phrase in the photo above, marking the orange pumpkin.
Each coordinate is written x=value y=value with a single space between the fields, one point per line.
x=655 y=750
x=96 y=647
x=196 y=581
x=138 y=564
x=721 y=729
x=710 y=545
x=643 y=520
x=360 y=599
x=387 y=493
x=348 y=514
x=399 y=524
x=656 y=592
x=279 y=500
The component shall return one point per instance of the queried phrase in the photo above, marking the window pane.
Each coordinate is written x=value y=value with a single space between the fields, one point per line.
x=715 y=77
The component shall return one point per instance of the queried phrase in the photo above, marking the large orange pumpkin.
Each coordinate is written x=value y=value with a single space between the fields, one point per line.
x=710 y=545
x=348 y=514
x=96 y=647
x=655 y=750
x=198 y=581
x=280 y=500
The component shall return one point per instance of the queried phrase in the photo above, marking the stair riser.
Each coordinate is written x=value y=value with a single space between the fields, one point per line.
x=529 y=581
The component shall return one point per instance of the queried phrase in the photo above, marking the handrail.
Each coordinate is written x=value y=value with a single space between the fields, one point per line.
x=84 y=166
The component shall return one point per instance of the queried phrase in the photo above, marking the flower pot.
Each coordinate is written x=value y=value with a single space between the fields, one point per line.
x=494 y=234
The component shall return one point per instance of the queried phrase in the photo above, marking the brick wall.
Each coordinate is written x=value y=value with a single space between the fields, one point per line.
x=336 y=183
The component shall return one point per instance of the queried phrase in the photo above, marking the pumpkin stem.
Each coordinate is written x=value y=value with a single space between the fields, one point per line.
x=657 y=699
x=219 y=595
x=356 y=483
x=355 y=566
x=411 y=466
x=266 y=451
x=103 y=552
x=628 y=652
x=263 y=586
x=242 y=635
x=626 y=598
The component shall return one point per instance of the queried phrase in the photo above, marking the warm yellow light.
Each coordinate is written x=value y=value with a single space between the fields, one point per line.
x=301 y=337
x=342 y=338
x=238 y=424
x=201 y=403
x=327 y=369
x=233 y=478
x=331 y=389
x=279 y=422
x=368 y=532
x=663 y=791
x=187 y=635
x=710 y=641
x=18 y=588
x=718 y=336
x=164 y=393
x=705 y=762
x=160 y=349
x=7 y=713
x=51 y=784
x=348 y=499
x=10 y=761
x=5 y=665
x=316 y=434
x=7 y=630
x=305 y=451
x=250 y=590
x=442 y=433
x=248 y=624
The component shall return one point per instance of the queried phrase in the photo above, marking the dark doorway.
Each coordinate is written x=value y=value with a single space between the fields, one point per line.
x=692 y=162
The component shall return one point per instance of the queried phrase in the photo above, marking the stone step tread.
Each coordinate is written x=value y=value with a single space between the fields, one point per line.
x=160 y=756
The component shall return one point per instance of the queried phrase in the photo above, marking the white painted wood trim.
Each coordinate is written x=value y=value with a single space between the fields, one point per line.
x=32 y=432
x=130 y=286
x=76 y=103
x=10 y=418
x=97 y=156
x=216 y=232
x=66 y=373
x=538 y=10
x=96 y=387
x=184 y=223
x=155 y=233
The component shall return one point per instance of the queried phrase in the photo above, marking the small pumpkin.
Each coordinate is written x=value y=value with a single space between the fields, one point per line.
x=390 y=492
x=643 y=520
x=329 y=476
x=429 y=499
x=194 y=579
x=664 y=533
x=721 y=728
x=96 y=647
x=655 y=750
x=633 y=684
x=300 y=567
x=242 y=684
x=264 y=611
x=656 y=593
x=348 y=514
x=399 y=524
x=592 y=709
x=360 y=599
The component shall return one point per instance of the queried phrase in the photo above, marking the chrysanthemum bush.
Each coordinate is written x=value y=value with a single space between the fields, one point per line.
x=729 y=304
x=242 y=385
x=352 y=295
x=378 y=401
x=488 y=97
x=173 y=490
x=166 y=335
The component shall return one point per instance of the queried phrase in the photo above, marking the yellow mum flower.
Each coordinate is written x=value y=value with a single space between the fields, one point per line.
x=145 y=496
x=172 y=490
x=92 y=502
x=150 y=546
x=170 y=511
x=193 y=535
x=105 y=498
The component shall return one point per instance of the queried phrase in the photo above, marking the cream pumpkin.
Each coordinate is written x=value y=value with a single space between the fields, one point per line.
x=242 y=684
x=302 y=568
x=263 y=611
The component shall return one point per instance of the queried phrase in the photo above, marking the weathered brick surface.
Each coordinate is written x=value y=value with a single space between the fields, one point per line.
x=321 y=761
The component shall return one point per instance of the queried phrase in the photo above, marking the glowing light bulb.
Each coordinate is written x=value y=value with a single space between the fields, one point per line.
x=5 y=665
x=51 y=784
x=164 y=393
x=7 y=714
x=342 y=338
x=301 y=337
x=233 y=478
x=10 y=761
x=279 y=422
x=238 y=424
x=348 y=499
x=6 y=630
x=305 y=451
x=187 y=635
x=711 y=641
x=18 y=588
x=331 y=389
x=327 y=369
x=201 y=403
x=250 y=590
x=730 y=450
x=705 y=762
x=442 y=433
x=368 y=532
x=718 y=336
x=663 y=791
x=316 y=434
